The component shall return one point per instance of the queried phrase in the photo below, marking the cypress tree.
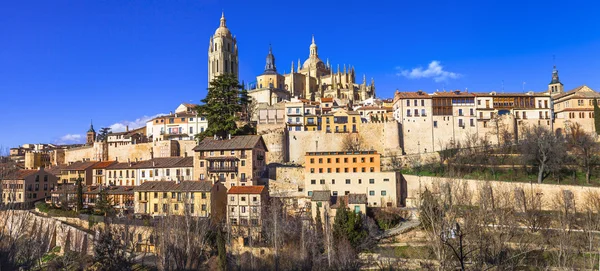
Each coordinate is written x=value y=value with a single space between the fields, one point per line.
x=79 y=194
x=221 y=251
x=319 y=230
x=596 y=116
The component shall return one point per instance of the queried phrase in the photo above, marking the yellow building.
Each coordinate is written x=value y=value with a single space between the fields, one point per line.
x=27 y=186
x=193 y=198
x=341 y=121
x=79 y=169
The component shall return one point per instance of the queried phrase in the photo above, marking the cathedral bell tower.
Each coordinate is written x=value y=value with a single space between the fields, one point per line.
x=555 y=87
x=222 y=52
x=91 y=135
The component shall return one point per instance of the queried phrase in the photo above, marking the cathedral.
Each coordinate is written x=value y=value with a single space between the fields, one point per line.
x=311 y=80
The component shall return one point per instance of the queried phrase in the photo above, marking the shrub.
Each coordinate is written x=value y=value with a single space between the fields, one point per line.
x=42 y=207
x=387 y=218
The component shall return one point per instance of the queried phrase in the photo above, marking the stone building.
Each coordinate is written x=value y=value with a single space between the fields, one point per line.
x=233 y=161
x=222 y=52
x=24 y=186
x=245 y=206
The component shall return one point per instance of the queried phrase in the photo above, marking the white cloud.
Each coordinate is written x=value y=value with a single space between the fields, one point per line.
x=434 y=70
x=137 y=123
x=70 y=139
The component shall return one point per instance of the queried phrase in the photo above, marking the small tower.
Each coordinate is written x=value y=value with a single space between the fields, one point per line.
x=91 y=135
x=555 y=87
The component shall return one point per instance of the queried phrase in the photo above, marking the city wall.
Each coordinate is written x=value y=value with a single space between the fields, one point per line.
x=548 y=192
x=382 y=137
x=275 y=137
x=143 y=151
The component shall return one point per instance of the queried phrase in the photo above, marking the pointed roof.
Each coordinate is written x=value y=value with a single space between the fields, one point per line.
x=223 y=30
x=555 y=79
x=91 y=130
x=270 y=67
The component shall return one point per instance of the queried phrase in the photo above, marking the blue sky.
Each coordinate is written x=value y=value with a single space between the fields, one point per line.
x=63 y=63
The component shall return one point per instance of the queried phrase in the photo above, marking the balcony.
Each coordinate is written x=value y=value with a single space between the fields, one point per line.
x=243 y=180
x=243 y=156
x=260 y=157
x=294 y=113
x=222 y=169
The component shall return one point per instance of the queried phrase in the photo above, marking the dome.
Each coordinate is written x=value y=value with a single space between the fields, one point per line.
x=223 y=30
x=312 y=62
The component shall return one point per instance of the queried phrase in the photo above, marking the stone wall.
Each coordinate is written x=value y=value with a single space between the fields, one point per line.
x=275 y=137
x=382 y=137
x=142 y=151
x=286 y=181
x=81 y=153
x=59 y=233
x=548 y=192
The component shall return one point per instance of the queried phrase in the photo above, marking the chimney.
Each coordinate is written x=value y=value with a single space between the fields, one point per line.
x=151 y=154
x=117 y=159
x=129 y=161
x=228 y=136
x=153 y=163
x=185 y=154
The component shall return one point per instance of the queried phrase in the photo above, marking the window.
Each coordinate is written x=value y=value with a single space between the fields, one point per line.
x=243 y=198
x=176 y=206
x=435 y=124
x=348 y=181
x=155 y=195
x=333 y=181
x=168 y=171
x=156 y=207
x=386 y=180
x=371 y=193
x=460 y=112
x=371 y=181
x=232 y=198
x=322 y=181
x=407 y=102
x=164 y=208
x=310 y=193
x=165 y=195
x=383 y=193
x=203 y=195
x=243 y=163
x=203 y=207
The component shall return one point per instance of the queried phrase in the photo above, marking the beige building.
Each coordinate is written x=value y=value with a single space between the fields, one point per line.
x=80 y=169
x=245 y=206
x=575 y=106
x=269 y=87
x=184 y=124
x=342 y=162
x=234 y=161
x=302 y=115
x=222 y=52
x=194 y=198
x=328 y=205
x=156 y=169
x=24 y=186
x=383 y=189
x=99 y=172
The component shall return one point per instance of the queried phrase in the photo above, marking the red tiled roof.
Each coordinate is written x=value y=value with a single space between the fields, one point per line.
x=104 y=164
x=22 y=174
x=80 y=165
x=244 y=142
x=253 y=189
x=324 y=100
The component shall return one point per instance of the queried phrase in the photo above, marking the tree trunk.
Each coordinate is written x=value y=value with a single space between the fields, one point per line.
x=588 y=173
x=541 y=173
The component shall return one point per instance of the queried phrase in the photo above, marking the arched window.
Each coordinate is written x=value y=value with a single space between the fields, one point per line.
x=217 y=65
x=228 y=47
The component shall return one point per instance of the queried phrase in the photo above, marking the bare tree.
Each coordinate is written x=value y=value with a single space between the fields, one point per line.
x=585 y=148
x=543 y=149
x=353 y=142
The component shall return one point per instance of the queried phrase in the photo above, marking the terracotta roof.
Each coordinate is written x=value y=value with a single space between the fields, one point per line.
x=103 y=164
x=456 y=93
x=111 y=190
x=323 y=195
x=410 y=95
x=163 y=186
x=22 y=174
x=123 y=165
x=79 y=165
x=189 y=105
x=54 y=170
x=166 y=162
x=235 y=143
x=253 y=189
x=495 y=94
x=326 y=100
x=569 y=92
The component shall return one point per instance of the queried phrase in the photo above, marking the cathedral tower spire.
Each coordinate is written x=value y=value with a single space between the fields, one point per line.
x=270 y=63
x=555 y=87
x=222 y=52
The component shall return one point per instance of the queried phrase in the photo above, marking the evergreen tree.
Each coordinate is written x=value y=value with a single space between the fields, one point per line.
x=221 y=106
x=109 y=252
x=104 y=204
x=319 y=230
x=103 y=134
x=596 y=116
x=221 y=251
x=348 y=225
x=79 y=194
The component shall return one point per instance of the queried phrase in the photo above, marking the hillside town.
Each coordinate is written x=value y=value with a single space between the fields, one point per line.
x=313 y=145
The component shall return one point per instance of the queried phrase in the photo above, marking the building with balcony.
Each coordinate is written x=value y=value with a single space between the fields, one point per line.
x=234 y=161
x=99 y=172
x=342 y=162
x=128 y=137
x=193 y=198
x=245 y=206
x=302 y=115
x=156 y=169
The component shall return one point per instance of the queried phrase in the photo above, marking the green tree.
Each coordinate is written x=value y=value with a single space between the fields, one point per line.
x=103 y=134
x=221 y=106
x=221 y=251
x=348 y=225
x=79 y=194
x=319 y=230
x=109 y=252
x=104 y=204
x=596 y=116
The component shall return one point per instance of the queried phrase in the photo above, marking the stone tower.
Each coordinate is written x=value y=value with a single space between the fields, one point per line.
x=222 y=52
x=91 y=135
x=555 y=87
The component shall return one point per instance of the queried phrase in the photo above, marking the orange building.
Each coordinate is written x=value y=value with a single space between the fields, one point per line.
x=343 y=162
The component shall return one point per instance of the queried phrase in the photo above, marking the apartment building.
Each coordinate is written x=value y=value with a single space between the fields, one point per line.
x=127 y=137
x=79 y=169
x=270 y=114
x=342 y=162
x=233 y=161
x=245 y=206
x=341 y=121
x=23 y=186
x=193 y=198
x=184 y=124
x=302 y=115
x=121 y=197
x=575 y=106
x=375 y=113
x=99 y=172
x=156 y=169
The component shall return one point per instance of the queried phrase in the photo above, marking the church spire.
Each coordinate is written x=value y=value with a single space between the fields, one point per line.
x=270 y=63
x=223 y=20
x=555 y=79
x=91 y=130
